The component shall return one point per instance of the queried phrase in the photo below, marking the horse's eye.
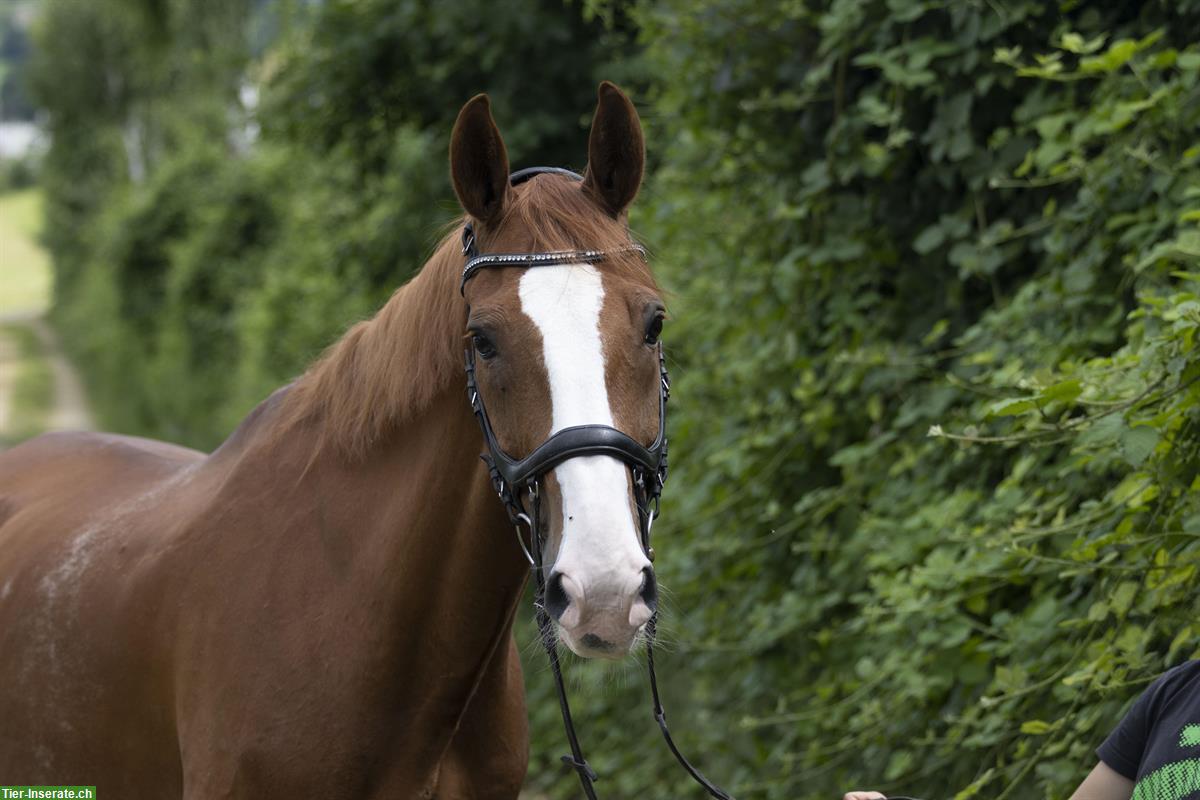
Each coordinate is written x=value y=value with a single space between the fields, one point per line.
x=654 y=329
x=483 y=345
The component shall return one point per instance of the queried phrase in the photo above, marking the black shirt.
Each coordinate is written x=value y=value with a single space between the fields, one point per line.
x=1157 y=744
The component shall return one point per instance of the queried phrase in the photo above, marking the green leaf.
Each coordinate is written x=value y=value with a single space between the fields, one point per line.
x=1115 y=57
x=1012 y=407
x=936 y=332
x=1072 y=42
x=1138 y=443
x=1063 y=391
x=1104 y=432
x=1184 y=638
x=929 y=239
x=1123 y=596
x=976 y=786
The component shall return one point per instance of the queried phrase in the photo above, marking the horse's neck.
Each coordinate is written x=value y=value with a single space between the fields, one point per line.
x=410 y=531
x=380 y=434
x=432 y=533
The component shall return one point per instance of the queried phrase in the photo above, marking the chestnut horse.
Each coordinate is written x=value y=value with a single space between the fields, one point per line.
x=323 y=606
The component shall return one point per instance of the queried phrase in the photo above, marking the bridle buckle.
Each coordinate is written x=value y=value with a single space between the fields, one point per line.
x=468 y=240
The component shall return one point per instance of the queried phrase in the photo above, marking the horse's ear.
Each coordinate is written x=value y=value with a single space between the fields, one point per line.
x=616 y=151
x=478 y=161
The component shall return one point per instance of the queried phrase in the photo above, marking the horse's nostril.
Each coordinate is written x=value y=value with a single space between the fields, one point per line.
x=556 y=597
x=649 y=591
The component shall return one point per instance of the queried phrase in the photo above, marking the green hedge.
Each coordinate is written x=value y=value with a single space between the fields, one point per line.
x=932 y=521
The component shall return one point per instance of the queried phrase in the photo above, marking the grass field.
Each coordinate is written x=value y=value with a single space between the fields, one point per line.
x=25 y=276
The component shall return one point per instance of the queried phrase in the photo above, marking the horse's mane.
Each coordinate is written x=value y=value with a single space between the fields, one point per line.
x=386 y=370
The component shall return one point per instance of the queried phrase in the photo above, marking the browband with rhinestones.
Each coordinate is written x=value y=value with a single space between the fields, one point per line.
x=476 y=262
x=541 y=260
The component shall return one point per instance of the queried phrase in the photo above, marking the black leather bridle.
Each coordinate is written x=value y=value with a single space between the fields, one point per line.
x=518 y=481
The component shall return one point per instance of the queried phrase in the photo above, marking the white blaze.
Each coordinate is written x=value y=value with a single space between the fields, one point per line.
x=599 y=549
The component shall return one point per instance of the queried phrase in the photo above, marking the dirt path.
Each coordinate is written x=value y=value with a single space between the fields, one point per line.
x=10 y=359
x=39 y=390
x=70 y=409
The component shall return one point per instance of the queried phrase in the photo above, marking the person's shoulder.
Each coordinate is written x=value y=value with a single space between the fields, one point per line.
x=1181 y=673
x=1182 y=681
x=1176 y=689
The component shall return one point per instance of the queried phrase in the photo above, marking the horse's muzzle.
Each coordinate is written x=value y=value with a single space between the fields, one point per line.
x=601 y=620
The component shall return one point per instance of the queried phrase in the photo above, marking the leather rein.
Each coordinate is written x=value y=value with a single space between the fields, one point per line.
x=518 y=481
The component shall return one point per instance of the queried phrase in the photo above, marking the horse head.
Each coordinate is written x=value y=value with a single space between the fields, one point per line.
x=566 y=340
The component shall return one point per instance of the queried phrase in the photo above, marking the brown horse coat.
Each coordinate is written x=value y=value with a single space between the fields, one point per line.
x=250 y=624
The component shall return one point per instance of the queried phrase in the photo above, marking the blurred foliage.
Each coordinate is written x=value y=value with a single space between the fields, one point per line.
x=221 y=205
x=362 y=70
x=18 y=173
x=932 y=520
